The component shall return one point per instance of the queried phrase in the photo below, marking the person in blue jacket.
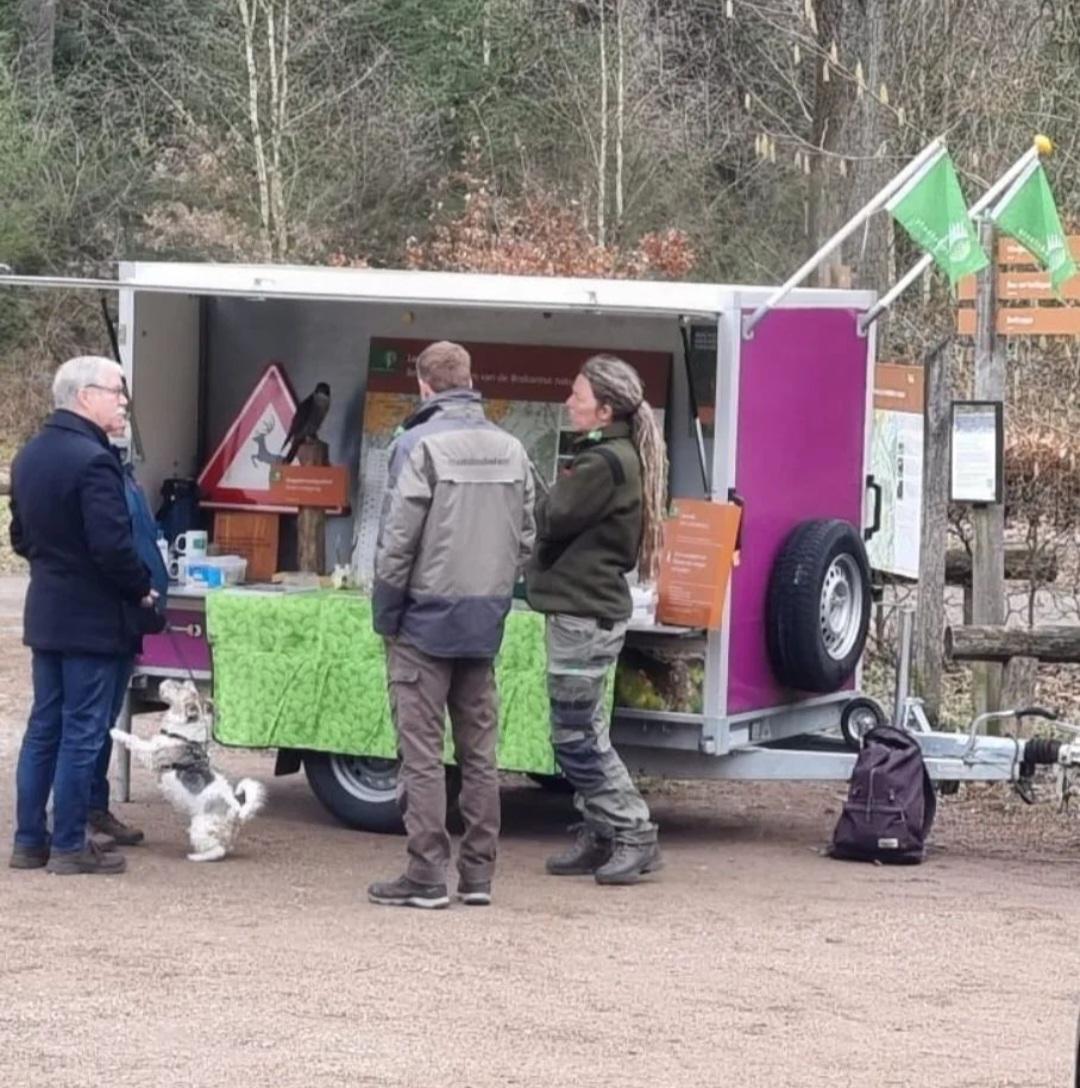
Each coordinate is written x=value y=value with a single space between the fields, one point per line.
x=147 y=621
x=89 y=597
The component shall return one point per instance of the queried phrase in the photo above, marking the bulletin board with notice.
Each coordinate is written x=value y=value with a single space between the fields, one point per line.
x=700 y=548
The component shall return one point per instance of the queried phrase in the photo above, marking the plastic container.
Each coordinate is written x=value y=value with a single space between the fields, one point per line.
x=216 y=570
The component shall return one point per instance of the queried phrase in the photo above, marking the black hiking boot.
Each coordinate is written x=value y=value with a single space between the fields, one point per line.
x=404 y=892
x=105 y=823
x=474 y=893
x=91 y=859
x=588 y=852
x=629 y=862
x=29 y=857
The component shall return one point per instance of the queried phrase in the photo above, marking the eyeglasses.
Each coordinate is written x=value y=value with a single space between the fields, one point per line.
x=115 y=390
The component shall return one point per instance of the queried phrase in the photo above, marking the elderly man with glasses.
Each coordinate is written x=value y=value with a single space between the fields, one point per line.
x=70 y=519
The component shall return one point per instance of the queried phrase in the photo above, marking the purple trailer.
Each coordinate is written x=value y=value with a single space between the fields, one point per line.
x=767 y=403
x=775 y=417
x=788 y=406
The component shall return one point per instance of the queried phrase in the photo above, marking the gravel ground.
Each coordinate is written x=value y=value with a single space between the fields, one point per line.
x=751 y=961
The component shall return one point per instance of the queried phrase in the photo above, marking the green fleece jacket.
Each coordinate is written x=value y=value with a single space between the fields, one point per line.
x=588 y=530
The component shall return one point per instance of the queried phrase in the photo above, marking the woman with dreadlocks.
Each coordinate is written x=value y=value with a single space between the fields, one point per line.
x=600 y=520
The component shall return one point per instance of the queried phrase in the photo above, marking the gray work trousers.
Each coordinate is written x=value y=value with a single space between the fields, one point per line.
x=422 y=688
x=581 y=652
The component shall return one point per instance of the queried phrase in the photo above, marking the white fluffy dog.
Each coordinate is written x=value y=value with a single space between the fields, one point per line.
x=178 y=756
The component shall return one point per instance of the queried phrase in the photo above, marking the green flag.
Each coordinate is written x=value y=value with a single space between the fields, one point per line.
x=931 y=209
x=1028 y=214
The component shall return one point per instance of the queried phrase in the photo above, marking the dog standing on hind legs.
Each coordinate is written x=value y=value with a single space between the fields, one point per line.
x=216 y=808
x=178 y=756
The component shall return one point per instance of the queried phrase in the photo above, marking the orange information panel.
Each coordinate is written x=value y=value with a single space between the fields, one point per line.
x=696 y=562
x=310 y=485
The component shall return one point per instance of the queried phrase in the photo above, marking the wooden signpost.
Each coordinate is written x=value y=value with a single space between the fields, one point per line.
x=1010 y=300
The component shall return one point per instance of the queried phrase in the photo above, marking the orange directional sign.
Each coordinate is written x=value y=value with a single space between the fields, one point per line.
x=1021 y=287
x=1027 y=321
x=1010 y=252
x=898 y=387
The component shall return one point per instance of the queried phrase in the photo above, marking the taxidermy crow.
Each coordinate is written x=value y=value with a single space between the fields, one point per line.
x=307 y=421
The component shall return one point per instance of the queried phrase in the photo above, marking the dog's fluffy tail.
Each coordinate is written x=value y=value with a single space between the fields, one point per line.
x=251 y=795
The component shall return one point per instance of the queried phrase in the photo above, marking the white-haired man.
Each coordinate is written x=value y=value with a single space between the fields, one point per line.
x=70 y=519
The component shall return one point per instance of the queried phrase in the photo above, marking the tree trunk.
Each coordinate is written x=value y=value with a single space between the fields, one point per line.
x=832 y=101
x=988 y=522
x=867 y=254
x=620 y=110
x=38 y=20
x=930 y=608
x=248 y=15
x=602 y=154
x=1018 y=688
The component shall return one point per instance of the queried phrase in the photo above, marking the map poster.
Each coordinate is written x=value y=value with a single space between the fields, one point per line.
x=524 y=387
x=896 y=463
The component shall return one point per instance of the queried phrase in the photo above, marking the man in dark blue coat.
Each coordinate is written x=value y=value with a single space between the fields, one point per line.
x=70 y=519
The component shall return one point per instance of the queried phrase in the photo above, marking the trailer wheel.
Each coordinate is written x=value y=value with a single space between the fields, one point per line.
x=859 y=716
x=360 y=791
x=818 y=605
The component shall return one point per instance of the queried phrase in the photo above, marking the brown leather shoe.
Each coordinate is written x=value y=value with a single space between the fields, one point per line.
x=91 y=859
x=105 y=823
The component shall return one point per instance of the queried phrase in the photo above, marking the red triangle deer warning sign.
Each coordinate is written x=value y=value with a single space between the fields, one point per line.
x=238 y=474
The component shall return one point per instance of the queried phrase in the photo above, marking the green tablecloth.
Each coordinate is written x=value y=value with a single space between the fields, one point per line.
x=305 y=670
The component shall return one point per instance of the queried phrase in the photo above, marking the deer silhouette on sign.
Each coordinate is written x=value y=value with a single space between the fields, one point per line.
x=263 y=456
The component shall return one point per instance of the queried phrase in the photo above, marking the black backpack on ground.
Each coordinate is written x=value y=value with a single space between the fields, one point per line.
x=891 y=802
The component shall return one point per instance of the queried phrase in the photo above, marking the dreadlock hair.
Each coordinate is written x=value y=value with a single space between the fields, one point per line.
x=618 y=385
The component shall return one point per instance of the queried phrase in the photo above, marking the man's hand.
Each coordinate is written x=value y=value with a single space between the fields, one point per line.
x=149 y=599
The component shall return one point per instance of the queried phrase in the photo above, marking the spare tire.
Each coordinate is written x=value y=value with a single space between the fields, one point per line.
x=818 y=606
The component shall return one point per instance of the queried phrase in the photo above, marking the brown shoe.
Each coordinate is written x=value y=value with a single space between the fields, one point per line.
x=105 y=823
x=29 y=857
x=90 y=859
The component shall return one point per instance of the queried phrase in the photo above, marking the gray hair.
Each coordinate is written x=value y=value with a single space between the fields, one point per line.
x=77 y=374
x=616 y=383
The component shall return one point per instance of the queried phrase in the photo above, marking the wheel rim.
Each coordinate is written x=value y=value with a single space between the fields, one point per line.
x=840 y=612
x=861 y=722
x=366 y=778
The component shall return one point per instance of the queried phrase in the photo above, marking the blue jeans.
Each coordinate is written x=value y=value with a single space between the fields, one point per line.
x=74 y=695
x=99 y=787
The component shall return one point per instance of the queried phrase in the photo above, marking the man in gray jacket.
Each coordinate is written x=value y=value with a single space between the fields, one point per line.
x=456 y=528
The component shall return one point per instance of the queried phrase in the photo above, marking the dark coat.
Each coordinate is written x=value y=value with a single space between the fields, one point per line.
x=588 y=530
x=70 y=519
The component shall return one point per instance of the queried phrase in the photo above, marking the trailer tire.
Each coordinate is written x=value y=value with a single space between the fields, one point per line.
x=818 y=606
x=361 y=792
x=858 y=717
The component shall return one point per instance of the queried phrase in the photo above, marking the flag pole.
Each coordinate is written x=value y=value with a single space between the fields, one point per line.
x=1041 y=146
x=932 y=149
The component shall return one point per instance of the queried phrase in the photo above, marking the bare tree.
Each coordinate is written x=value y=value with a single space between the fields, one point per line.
x=38 y=20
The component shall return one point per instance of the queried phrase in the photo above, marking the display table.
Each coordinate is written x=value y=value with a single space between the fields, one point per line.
x=306 y=670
